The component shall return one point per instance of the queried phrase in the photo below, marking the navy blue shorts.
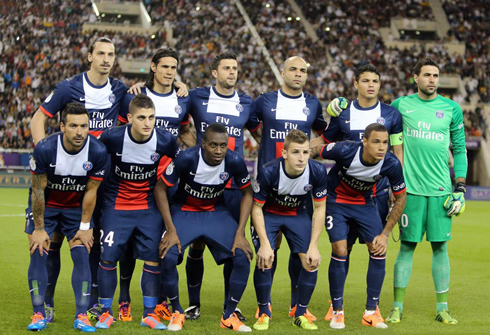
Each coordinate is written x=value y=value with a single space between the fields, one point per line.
x=233 y=198
x=64 y=220
x=143 y=228
x=342 y=217
x=297 y=230
x=217 y=229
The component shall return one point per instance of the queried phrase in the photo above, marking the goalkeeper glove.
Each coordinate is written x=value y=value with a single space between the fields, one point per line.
x=455 y=203
x=337 y=106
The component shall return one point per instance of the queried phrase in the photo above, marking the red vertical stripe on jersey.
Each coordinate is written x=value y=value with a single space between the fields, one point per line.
x=231 y=143
x=132 y=195
x=199 y=205
x=375 y=189
x=279 y=147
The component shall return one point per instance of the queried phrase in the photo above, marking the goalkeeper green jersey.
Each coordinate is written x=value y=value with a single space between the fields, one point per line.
x=429 y=126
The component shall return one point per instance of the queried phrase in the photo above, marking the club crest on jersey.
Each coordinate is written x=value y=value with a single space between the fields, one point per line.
x=377 y=177
x=178 y=109
x=112 y=98
x=308 y=187
x=381 y=120
x=306 y=111
x=154 y=157
x=239 y=108
x=440 y=114
x=224 y=175
x=87 y=166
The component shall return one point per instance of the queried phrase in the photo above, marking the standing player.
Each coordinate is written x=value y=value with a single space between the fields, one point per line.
x=67 y=169
x=430 y=124
x=279 y=205
x=280 y=112
x=129 y=214
x=171 y=114
x=351 y=181
x=199 y=213
x=350 y=126
x=101 y=95
x=236 y=111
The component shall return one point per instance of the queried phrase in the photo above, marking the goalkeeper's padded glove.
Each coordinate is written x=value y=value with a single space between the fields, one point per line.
x=337 y=106
x=455 y=203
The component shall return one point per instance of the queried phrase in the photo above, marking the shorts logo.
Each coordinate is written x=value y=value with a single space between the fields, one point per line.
x=224 y=176
x=87 y=166
x=307 y=187
x=381 y=120
x=256 y=187
x=178 y=109
x=112 y=98
x=440 y=114
x=239 y=108
x=170 y=169
x=154 y=157
x=306 y=111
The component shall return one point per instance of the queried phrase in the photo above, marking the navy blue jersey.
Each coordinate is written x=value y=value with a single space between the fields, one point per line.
x=67 y=172
x=280 y=113
x=286 y=195
x=102 y=102
x=235 y=112
x=350 y=125
x=135 y=167
x=351 y=180
x=171 y=111
x=201 y=186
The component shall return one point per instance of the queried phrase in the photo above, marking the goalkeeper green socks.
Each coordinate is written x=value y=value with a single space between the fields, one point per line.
x=440 y=273
x=403 y=271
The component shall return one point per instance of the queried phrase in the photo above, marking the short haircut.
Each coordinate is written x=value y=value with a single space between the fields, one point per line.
x=366 y=68
x=374 y=127
x=214 y=128
x=219 y=58
x=140 y=101
x=295 y=136
x=161 y=53
x=99 y=39
x=423 y=62
x=74 y=109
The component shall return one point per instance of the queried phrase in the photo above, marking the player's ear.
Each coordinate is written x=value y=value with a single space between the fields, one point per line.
x=284 y=153
x=364 y=141
x=356 y=84
x=153 y=67
x=214 y=73
x=130 y=117
x=416 y=78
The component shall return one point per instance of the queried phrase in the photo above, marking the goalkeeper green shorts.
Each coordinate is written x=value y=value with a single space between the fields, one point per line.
x=424 y=214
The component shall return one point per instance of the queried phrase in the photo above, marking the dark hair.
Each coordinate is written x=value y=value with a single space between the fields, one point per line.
x=140 y=101
x=219 y=58
x=214 y=128
x=366 y=68
x=92 y=46
x=423 y=62
x=295 y=136
x=74 y=109
x=161 y=53
x=374 y=127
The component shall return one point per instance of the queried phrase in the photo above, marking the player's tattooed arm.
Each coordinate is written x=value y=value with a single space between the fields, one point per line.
x=316 y=151
x=39 y=237
x=380 y=242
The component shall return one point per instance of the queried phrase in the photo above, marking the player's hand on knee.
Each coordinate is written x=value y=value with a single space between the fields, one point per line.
x=38 y=239
x=181 y=89
x=86 y=237
x=313 y=259
x=136 y=88
x=242 y=243
x=265 y=257
x=337 y=106
x=379 y=245
x=169 y=239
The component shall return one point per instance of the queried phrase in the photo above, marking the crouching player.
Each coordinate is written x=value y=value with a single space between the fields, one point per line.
x=67 y=169
x=279 y=206
x=198 y=213
x=350 y=182
x=129 y=213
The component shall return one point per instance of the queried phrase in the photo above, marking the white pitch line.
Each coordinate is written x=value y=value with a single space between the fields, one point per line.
x=10 y=215
x=13 y=205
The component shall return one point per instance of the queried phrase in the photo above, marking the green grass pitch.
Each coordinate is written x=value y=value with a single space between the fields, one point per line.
x=469 y=296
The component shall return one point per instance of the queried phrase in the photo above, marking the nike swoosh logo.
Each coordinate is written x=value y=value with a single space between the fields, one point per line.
x=82 y=99
x=368 y=322
x=349 y=121
x=410 y=111
x=193 y=174
x=337 y=299
x=35 y=288
x=205 y=103
x=229 y=327
x=275 y=189
x=118 y=154
x=85 y=294
x=53 y=165
x=237 y=301
x=273 y=109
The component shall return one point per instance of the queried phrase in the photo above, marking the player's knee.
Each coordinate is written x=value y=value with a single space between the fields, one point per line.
x=169 y=262
x=150 y=263
x=240 y=260
x=340 y=249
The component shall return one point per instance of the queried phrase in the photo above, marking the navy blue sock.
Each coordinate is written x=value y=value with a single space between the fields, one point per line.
x=306 y=286
x=94 y=259
x=375 y=277
x=273 y=272
x=162 y=296
x=194 y=269
x=238 y=281
x=126 y=269
x=227 y=270
x=263 y=284
x=37 y=276
x=170 y=278
x=346 y=263
x=107 y=276
x=294 y=269
x=53 y=265
x=150 y=282
x=336 y=278
x=80 y=278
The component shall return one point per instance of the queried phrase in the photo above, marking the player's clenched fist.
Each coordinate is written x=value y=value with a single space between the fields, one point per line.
x=337 y=106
